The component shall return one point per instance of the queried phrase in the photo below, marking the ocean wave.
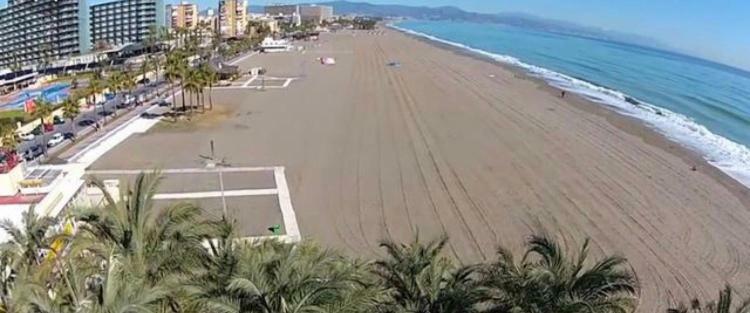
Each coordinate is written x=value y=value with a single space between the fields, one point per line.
x=730 y=157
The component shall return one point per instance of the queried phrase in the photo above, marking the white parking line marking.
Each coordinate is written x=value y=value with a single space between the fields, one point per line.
x=215 y=194
x=198 y=170
x=249 y=81
x=285 y=202
x=288 y=215
x=287 y=82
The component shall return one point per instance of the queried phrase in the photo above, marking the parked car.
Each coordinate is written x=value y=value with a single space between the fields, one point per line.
x=57 y=120
x=56 y=139
x=86 y=123
x=129 y=99
x=69 y=135
x=26 y=137
x=162 y=103
x=33 y=152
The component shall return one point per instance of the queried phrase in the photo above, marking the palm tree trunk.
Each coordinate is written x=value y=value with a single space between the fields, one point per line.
x=182 y=88
x=156 y=75
x=210 y=97
x=44 y=136
x=174 y=101
x=190 y=97
x=203 y=99
x=198 y=99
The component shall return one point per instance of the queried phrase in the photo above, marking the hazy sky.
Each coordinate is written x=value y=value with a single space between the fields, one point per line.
x=713 y=29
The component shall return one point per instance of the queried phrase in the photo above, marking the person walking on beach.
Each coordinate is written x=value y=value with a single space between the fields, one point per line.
x=562 y=94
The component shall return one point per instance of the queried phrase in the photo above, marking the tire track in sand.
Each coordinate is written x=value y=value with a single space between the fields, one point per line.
x=435 y=164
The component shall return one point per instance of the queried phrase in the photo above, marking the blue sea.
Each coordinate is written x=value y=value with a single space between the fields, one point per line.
x=703 y=105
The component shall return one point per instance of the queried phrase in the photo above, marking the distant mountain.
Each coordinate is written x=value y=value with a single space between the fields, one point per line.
x=451 y=13
x=415 y=12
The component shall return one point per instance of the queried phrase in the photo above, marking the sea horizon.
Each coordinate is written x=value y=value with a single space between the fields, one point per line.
x=686 y=55
x=709 y=117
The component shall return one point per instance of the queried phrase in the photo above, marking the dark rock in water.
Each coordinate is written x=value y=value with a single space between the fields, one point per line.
x=659 y=113
x=632 y=101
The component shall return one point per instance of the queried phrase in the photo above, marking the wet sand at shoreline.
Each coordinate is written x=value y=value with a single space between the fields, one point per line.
x=448 y=143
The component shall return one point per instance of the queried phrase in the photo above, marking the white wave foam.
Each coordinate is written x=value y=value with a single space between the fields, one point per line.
x=730 y=157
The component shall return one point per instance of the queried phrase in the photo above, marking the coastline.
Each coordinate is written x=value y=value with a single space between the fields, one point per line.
x=450 y=144
x=628 y=124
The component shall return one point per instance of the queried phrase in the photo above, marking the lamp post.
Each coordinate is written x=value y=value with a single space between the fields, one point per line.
x=211 y=163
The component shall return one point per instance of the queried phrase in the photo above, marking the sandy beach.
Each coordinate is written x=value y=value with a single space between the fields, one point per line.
x=455 y=144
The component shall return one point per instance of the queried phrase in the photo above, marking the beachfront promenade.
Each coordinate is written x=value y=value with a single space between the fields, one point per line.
x=448 y=143
x=246 y=185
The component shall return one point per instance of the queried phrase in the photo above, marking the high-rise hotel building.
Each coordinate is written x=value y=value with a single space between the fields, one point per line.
x=33 y=32
x=183 y=15
x=232 y=17
x=316 y=13
x=125 y=21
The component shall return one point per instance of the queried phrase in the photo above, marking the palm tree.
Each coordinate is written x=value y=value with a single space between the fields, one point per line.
x=42 y=110
x=8 y=134
x=29 y=242
x=152 y=37
x=157 y=64
x=108 y=283
x=548 y=280
x=199 y=85
x=203 y=80
x=122 y=289
x=284 y=278
x=192 y=84
x=172 y=71
x=145 y=68
x=128 y=81
x=71 y=110
x=420 y=280
x=95 y=86
x=217 y=269
x=7 y=280
x=16 y=283
x=115 y=81
x=191 y=40
x=176 y=70
x=724 y=305
x=156 y=35
x=163 y=241
x=210 y=80
x=216 y=41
